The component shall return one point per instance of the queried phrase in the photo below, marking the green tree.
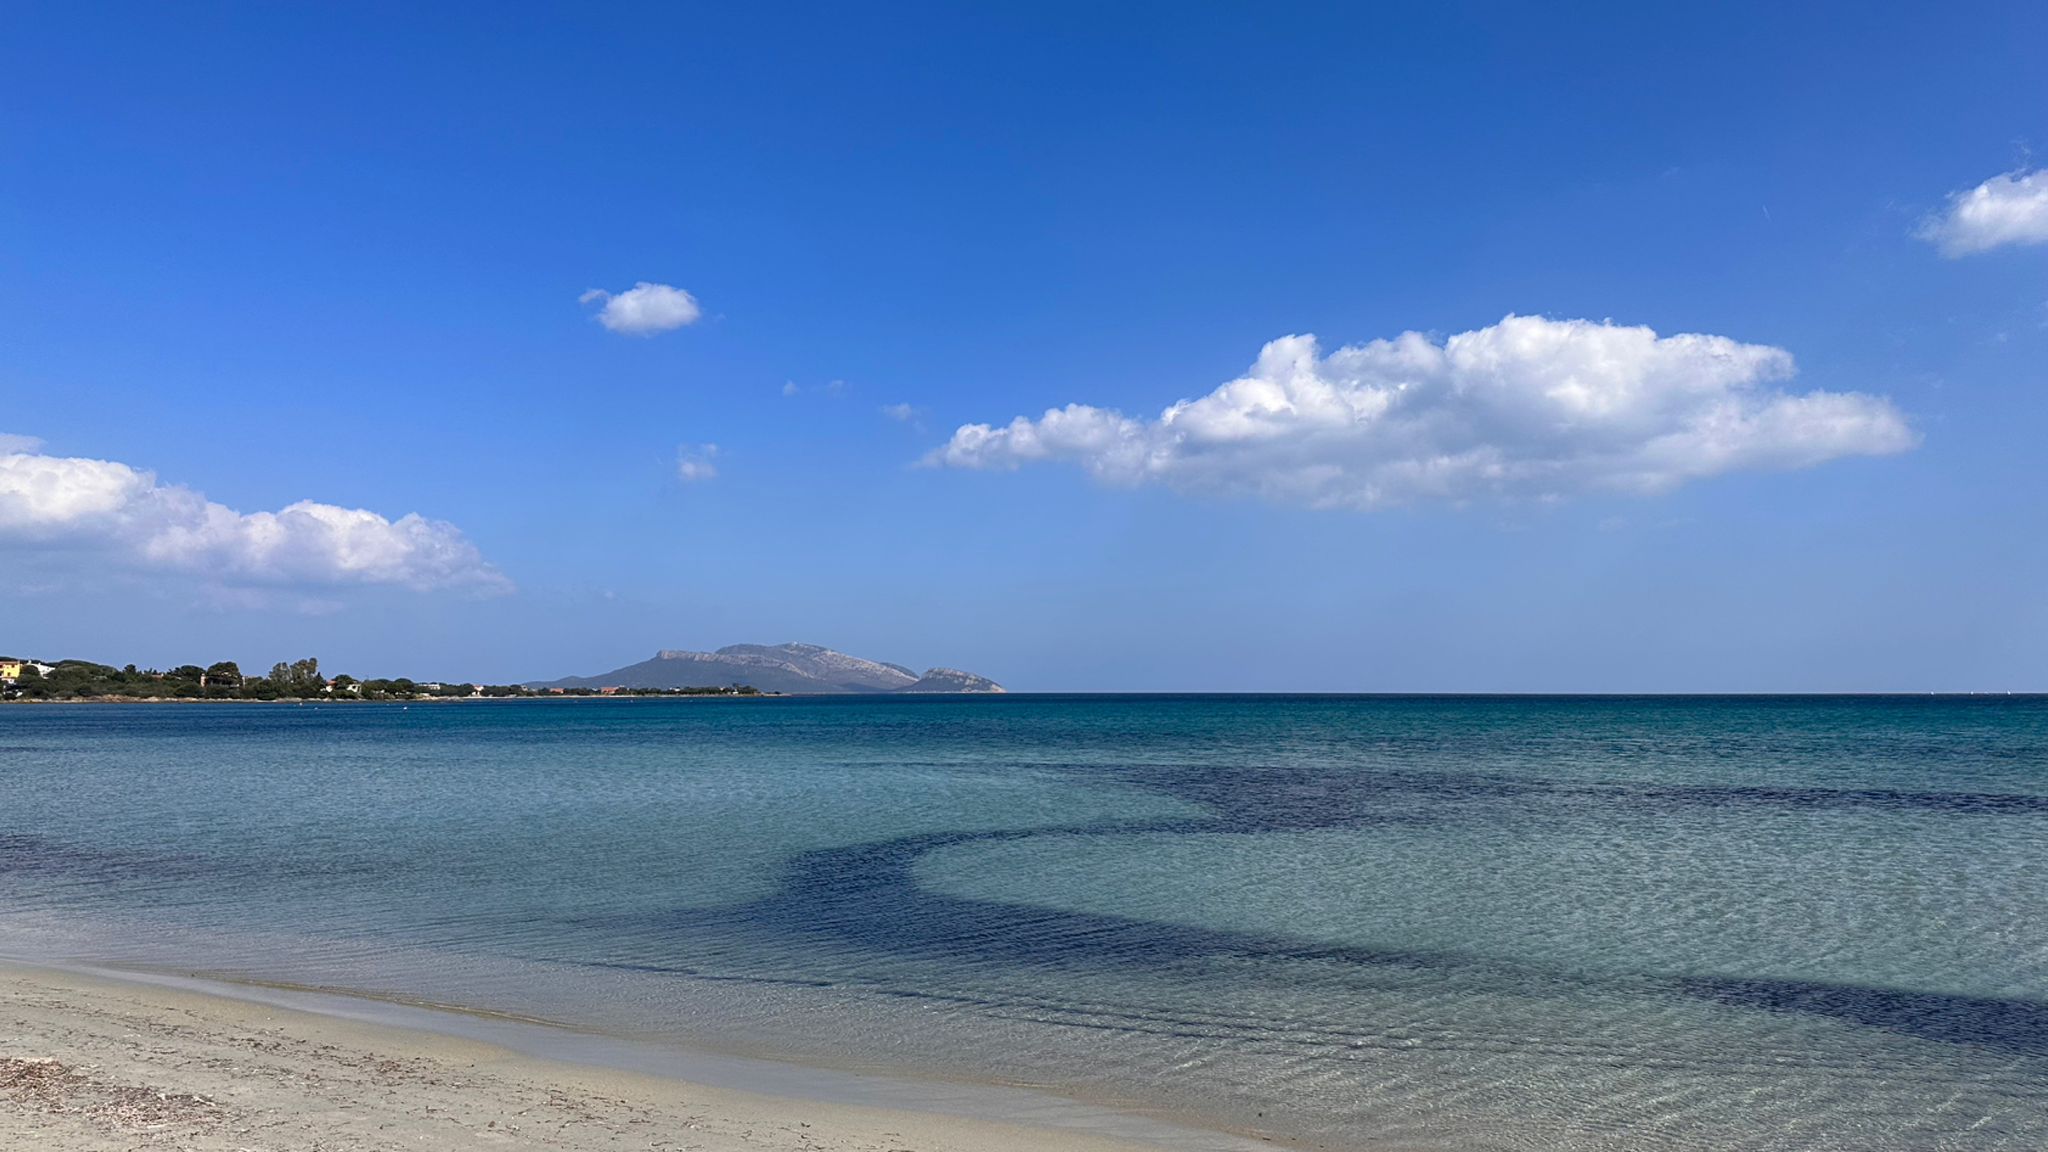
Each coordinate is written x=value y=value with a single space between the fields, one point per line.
x=299 y=678
x=31 y=683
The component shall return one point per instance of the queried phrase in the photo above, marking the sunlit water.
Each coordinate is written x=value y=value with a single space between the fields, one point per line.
x=1413 y=922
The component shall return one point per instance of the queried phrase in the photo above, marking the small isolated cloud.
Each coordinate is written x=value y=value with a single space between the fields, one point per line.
x=58 y=503
x=2007 y=209
x=828 y=388
x=695 y=462
x=11 y=444
x=1528 y=408
x=644 y=309
x=909 y=414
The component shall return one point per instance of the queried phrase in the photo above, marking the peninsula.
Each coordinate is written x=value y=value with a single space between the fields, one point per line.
x=786 y=668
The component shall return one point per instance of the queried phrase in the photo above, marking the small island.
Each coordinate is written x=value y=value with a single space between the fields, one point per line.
x=793 y=669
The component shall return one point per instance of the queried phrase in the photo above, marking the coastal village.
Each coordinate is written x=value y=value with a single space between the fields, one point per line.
x=29 y=680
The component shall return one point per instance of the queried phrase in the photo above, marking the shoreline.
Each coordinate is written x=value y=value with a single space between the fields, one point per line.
x=114 y=1058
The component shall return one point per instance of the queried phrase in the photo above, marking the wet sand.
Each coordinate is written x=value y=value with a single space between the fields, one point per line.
x=90 y=1063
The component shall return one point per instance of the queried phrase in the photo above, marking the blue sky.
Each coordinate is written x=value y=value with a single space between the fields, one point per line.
x=252 y=256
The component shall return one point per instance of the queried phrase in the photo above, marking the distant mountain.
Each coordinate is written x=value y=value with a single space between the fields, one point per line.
x=795 y=668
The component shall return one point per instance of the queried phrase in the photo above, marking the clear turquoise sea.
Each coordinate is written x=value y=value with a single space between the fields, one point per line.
x=1420 y=923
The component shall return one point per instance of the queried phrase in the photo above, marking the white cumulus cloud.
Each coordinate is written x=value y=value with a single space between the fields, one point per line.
x=695 y=462
x=1527 y=408
x=644 y=309
x=2007 y=209
x=62 y=502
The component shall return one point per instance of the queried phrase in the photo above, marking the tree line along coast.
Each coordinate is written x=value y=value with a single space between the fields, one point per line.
x=30 y=680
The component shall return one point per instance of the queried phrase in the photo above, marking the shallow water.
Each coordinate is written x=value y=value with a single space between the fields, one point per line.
x=1418 y=922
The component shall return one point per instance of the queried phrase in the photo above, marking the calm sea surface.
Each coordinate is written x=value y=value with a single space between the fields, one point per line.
x=1423 y=922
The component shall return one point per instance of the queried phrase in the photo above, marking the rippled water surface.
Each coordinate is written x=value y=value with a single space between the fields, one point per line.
x=1358 y=922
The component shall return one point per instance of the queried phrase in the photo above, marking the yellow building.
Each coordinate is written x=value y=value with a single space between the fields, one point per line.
x=10 y=669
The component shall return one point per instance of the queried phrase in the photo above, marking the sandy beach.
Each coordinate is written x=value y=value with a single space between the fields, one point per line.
x=89 y=1064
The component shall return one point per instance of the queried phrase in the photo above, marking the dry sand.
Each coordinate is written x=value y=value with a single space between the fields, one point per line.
x=88 y=1063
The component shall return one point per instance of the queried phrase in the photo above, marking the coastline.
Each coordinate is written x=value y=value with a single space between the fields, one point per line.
x=321 y=700
x=99 y=1060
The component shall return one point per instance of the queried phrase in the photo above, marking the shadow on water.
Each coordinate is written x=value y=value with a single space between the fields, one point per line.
x=865 y=898
x=2016 y=1026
